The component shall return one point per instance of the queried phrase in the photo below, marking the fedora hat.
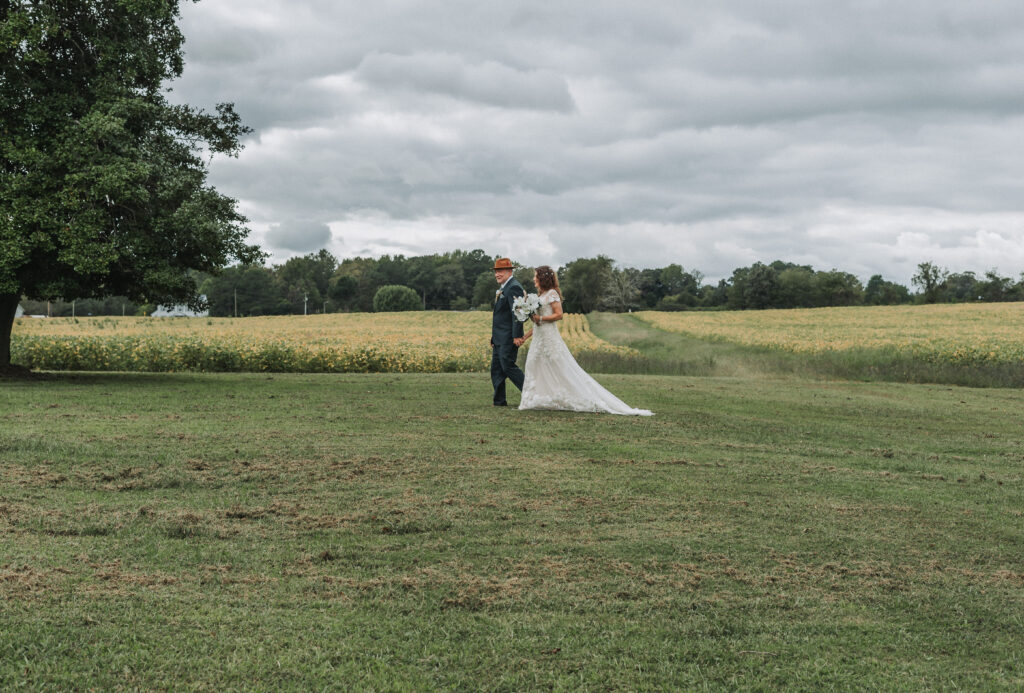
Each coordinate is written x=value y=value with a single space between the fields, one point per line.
x=503 y=263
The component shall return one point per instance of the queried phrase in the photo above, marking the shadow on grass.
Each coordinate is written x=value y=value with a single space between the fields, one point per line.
x=667 y=353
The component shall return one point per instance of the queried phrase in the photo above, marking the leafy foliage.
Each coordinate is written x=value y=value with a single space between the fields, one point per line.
x=929 y=278
x=394 y=298
x=103 y=181
x=585 y=283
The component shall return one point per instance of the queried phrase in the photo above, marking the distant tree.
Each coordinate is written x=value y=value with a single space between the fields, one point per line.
x=390 y=269
x=483 y=290
x=364 y=271
x=650 y=287
x=342 y=289
x=672 y=280
x=960 y=287
x=717 y=296
x=736 y=289
x=583 y=282
x=683 y=301
x=306 y=280
x=252 y=288
x=693 y=282
x=450 y=285
x=422 y=273
x=523 y=275
x=797 y=288
x=392 y=298
x=103 y=181
x=929 y=279
x=474 y=263
x=837 y=288
x=676 y=281
x=761 y=288
x=996 y=288
x=880 y=292
x=621 y=292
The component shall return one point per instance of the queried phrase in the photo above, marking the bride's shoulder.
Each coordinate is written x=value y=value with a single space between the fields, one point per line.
x=551 y=296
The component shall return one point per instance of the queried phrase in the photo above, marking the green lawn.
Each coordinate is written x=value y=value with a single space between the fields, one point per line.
x=397 y=532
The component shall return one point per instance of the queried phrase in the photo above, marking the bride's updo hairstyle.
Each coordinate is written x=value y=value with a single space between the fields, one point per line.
x=547 y=280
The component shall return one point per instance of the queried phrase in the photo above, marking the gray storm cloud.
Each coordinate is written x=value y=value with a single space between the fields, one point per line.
x=299 y=236
x=487 y=83
x=708 y=134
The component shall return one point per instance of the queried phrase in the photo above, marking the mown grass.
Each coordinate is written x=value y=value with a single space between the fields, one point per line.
x=396 y=532
x=667 y=353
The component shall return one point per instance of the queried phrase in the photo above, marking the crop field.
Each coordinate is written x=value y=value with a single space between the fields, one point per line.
x=957 y=334
x=426 y=342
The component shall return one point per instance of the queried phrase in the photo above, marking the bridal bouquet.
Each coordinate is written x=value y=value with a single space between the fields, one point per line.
x=525 y=306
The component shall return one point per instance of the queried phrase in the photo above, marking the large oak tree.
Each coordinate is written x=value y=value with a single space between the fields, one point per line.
x=103 y=185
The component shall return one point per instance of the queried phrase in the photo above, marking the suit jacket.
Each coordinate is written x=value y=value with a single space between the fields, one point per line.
x=504 y=325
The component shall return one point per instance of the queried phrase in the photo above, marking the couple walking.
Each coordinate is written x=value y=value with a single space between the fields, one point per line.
x=553 y=379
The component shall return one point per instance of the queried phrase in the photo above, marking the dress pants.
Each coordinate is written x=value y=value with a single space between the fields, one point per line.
x=503 y=365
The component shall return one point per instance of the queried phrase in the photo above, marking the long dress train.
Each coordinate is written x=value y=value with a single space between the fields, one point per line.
x=555 y=381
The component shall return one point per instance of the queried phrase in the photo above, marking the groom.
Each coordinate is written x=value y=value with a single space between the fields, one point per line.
x=506 y=332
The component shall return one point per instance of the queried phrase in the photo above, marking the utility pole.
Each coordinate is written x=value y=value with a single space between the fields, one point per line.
x=305 y=303
x=73 y=309
x=236 y=301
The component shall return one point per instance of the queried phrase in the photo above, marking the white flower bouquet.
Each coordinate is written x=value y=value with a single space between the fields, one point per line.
x=525 y=306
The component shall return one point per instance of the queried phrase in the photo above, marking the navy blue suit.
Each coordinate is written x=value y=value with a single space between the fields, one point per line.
x=504 y=329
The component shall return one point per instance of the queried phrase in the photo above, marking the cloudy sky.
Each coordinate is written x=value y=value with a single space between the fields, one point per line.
x=865 y=135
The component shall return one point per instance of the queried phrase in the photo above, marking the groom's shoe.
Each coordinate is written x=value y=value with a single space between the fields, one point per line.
x=501 y=404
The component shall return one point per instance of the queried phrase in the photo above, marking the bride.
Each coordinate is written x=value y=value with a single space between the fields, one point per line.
x=553 y=378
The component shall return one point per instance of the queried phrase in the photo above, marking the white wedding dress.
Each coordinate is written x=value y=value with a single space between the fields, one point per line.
x=555 y=381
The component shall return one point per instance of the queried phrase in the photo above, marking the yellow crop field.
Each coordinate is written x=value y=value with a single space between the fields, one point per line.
x=575 y=329
x=958 y=334
x=426 y=342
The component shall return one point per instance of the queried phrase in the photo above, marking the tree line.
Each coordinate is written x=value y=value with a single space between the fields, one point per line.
x=463 y=280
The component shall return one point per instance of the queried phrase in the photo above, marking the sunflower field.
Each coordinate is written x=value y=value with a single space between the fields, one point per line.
x=948 y=334
x=424 y=342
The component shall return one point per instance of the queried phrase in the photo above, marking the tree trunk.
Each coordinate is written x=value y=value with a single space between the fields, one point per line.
x=8 y=307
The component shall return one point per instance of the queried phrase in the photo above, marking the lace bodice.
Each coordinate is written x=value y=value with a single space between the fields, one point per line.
x=546 y=299
x=546 y=332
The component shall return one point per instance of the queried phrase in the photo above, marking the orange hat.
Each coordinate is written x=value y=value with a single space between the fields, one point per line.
x=503 y=263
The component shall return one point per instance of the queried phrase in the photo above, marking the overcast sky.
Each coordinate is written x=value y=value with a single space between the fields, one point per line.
x=863 y=135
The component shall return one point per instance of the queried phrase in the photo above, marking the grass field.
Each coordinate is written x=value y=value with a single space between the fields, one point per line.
x=394 y=532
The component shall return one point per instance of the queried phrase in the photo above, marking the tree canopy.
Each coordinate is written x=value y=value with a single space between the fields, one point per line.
x=393 y=297
x=587 y=284
x=102 y=180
